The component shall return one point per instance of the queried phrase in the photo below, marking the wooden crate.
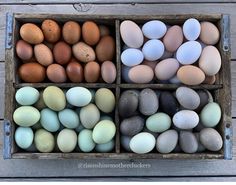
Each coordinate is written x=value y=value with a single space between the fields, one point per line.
x=221 y=90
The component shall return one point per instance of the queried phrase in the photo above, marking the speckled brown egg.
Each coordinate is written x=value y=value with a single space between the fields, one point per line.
x=56 y=73
x=190 y=75
x=83 y=52
x=31 y=33
x=108 y=72
x=51 y=30
x=74 y=71
x=32 y=72
x=104 y=30
x=71 y=32
x=105 y=49
x=24 y=50
x=90 y=33
x=209 y=33
x=62 y=52
x=43 y=54
x=91 y=72
x=141 y=74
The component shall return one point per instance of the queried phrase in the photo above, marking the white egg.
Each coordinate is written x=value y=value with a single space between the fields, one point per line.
x=191 y=29
x=131 y=57
x=154 y=29
x=153 y=50
x=185 y=119
x=189 y=52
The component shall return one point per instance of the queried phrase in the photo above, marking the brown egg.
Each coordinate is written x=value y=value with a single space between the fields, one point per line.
x=71 y=32
x=90 y=33
x=51 y=30
x=210 y=80
x=209 y=33
x=190 y=75
x=24 y=50
x=43 y=54
x=108 y=72
x=62 y=52
x=151 y=64
x=141 y=74
x=31 y=33
x=91 y=72
x=74 y=71
x=56 y=73
x=105 y=49
x=32 y=72
x=104 y=30
x=31 y=60
x=83 y=52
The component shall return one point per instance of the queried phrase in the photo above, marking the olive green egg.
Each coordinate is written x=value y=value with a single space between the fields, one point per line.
x=105 y=100
x=27 y=95
x=106 y=147
x=67 y=140
x=85 y=140
x=49 y=120
x=44 y=141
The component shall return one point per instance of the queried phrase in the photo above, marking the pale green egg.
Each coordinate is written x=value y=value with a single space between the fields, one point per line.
x=27 y=95
x=44 y=141
x=85 y=140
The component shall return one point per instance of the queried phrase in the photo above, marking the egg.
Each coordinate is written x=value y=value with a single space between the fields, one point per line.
x=103 y=132
x=154 y=29
x=153 y=50
x=43 y=54
x=83 y=52
x=49 y=120
x=125 y=73
x=205 y=98
x=27 y=95
x=210 y=34
x=51 y=30
x=56 y=73
x=66 y=140
x=24 y=137
x=32 y=72
x=105 y=49
x=151 y=64
x=105 y=100
x=106 y=147
x=71 y=32
x=191 y=29
x=26 y=116
x=210 y=80
x=166 y=69
x=24 y=50
x=190 y=75
x=62 y=52
x=44 y=141
x=131 y=126
x=131 y=34
x=166 y=55
x=189 y=52
x=140 y=74
x=188 y=142
x=40 y=103
x=158 y=122
x=90 y=33
x=108 y=72
x=124 y=141
x=210 y=60
x=200 y=148
x=75 y=71
x=54 y=98
x=131 y=57
x=69 y=118
x=31 y=33
x=186 y=119
x=85 y=140
x=104 y=30
x=92 y=72
x=78 y=96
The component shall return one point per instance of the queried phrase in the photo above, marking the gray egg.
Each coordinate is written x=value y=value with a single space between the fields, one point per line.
x=200 y=148
x=132 y=126
x=188 y=142
x=124 y=140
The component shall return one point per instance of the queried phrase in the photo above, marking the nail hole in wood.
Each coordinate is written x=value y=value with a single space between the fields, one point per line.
x=7 y=133
x=227 y=137
x=227 y=125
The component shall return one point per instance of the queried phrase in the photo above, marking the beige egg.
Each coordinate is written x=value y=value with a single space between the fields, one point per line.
x=173 y=38
x=209 y=33
x=43 y=54
x=108 y=71
x=56 y=73
x=210 y=60
x=83 y=52
x=31 y=33
x=190 y=75
x=141 y=74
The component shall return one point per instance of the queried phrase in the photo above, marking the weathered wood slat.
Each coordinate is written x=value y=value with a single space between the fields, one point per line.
x=2 y=88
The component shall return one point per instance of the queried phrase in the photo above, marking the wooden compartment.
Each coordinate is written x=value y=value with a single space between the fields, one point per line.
x=221 y=89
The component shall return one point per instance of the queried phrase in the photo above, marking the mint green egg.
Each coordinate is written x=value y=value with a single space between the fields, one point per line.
x=24 y=137
x=104 y=131
x=85 y=140
x=27 y=95
x=49 y=120
x=210 y=114
x=106 y=147
x=69 y=118
x=26 y=116
x=158 y=122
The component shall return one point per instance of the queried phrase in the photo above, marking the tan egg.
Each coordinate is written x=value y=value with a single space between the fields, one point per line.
x=31 y=33
x=32 y=72
x=151 y=64
x=90 y=33
x=173 y=38
x=83 y=52
x=141 y=74
x=190 y=75
x=108 y=72
x=71 y=32
x=24 y=50
x=51 y=30
x=62 y=53
x=210 y=80
x=56 y=73
x=74 y=71
x=105 y=49
x=209 y=33
x=104 y=30
x=91 y=72
x=43 y=54
x=210 y=60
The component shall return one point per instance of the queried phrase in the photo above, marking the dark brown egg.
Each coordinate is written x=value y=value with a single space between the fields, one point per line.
x=51 y=30
x=62 y=52
x=56 y=73
x=74 y=71
x=91 y=72
x=24 y=50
